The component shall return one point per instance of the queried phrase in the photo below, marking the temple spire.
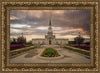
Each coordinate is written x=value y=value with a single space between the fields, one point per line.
x=50 y=26
x=50 y=21
x=79 y=34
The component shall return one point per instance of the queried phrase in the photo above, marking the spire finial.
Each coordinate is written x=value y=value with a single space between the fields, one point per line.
x=79 y=34
x=50 y=20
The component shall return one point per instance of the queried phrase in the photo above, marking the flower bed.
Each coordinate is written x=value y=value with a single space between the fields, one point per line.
x=85 y=47
x=50 y=52
x=20 y=51
x=16 y=46
x=79 y=51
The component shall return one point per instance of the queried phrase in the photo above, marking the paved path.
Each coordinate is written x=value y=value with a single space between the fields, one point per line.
x=31 y=57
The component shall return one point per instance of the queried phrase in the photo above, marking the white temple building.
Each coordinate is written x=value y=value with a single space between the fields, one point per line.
x=50 y=38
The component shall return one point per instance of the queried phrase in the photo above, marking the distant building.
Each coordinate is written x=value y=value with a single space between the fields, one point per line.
x=50 y=38
x=86 y=40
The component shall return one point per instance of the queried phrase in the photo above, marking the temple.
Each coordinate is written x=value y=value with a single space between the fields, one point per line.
x=50 y=38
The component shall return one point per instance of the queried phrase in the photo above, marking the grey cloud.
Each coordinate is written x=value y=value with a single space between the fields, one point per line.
x=70 y=18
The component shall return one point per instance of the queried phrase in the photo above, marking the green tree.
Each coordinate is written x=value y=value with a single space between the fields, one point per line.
x=79 y=40
x=21 y=39
x=14 y=41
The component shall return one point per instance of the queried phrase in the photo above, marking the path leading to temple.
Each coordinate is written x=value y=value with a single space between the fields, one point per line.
x=31 y=57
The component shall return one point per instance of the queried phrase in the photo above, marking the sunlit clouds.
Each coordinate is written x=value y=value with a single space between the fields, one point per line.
x=42 y=28
x=13 y=18
x=20 y=25
x=65 y=23
x=72 y=30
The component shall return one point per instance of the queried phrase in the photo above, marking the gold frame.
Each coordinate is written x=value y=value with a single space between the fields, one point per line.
x=7 y=6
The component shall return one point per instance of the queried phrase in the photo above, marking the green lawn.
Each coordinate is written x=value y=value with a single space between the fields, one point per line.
x=50 y=52
x=70 y=44
x=28 y=44
x=79 y=51
x=20 y=51
x=74 y=44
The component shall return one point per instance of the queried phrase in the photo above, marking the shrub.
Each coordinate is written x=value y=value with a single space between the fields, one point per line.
x=85 y=47
x=17 y=46
x=71 y=42
x=87 y=43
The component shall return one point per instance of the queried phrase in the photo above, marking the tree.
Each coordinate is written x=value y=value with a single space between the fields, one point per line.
x=79 y=40
x=14 y=41
x=21 y=39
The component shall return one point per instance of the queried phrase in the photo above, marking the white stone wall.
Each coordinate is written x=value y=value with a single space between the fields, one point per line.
x=53 y=41
x=37 y=41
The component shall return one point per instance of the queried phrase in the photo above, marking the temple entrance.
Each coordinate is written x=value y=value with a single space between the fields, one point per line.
x=49 y=42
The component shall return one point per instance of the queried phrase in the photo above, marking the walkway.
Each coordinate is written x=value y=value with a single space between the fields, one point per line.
x=31 y=57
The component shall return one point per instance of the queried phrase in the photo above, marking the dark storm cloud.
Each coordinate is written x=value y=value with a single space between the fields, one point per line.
x=76 y=19
x=60 y=18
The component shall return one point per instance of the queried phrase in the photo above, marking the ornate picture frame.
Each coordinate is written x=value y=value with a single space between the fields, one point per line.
x=54 y=5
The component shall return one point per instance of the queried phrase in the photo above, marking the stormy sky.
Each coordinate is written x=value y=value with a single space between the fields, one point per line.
x=65 y=23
